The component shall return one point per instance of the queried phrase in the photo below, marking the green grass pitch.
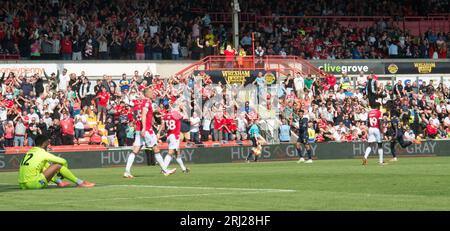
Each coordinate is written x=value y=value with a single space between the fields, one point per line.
x=409 y=184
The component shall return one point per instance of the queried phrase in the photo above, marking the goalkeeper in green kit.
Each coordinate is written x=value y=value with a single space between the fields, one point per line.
x=39 y=167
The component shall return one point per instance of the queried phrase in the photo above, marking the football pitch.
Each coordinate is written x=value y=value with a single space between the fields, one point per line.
x=421 y=183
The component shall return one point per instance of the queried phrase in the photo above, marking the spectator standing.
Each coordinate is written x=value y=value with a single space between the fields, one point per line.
x=80 y=123
x=299 y=84
x=32 y=132
x=102 y=47
x=103 y=100
x=111 y=131
x=55 y=133
x=122 y=132
x=9 y=134
x=229 y=56
x=77 y=47
x=67 y=129
x=66 y=48
x=195 y=124
x=175 y=45
x=130 y=133
x=19 y=132
x=140 y=45
x=157 y=49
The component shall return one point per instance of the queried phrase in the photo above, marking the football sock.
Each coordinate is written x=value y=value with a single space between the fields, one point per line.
x=56 y=180
x=309 y=152
x=368 y=150
x=167 y=160
x=299 y=152
x=380 y=153
x=130 y=161
x=66 y=173
x=393 y=149
x=180 y=162
x=160 y=161
x=249 y=154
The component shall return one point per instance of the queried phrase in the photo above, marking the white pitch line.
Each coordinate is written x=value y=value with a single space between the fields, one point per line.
x=204 y=188
x=156 y=197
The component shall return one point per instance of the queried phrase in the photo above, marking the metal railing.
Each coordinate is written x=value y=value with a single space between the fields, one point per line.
x=281 y=64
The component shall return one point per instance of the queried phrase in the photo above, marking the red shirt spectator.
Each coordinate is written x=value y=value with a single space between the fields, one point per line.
x=229 y=55
x=103 y=98
x=66 y=46
x=140 y=47
x=331 y=79
x=67 y=126
x=218 y=122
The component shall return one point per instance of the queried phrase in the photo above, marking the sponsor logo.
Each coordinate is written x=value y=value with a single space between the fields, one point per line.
x=426 y=148
x=424 y=68
x=270 y=78
x=392 y=68
x=232 y=77
x=344 y=68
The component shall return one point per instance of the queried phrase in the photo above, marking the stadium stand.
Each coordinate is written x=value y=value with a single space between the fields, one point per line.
x=117 y=29
x=74 y=30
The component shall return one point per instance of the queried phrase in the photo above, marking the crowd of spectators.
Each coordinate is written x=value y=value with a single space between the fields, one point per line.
x=119 y=29
x=72 y=109
x=339 y=108
x=334 y=7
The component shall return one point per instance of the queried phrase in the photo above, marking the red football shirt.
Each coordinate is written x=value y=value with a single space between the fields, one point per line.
x=147 y=103
x=67 y=126
x=103 y=98
x=173 y=123
x=374 y=118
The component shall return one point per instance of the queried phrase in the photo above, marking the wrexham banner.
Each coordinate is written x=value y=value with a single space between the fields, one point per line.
x=238 y=77
x=417 y=68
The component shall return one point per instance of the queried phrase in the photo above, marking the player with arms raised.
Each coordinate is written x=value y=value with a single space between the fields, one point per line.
x=145 y=135
x=172 y=123
x=374 y=138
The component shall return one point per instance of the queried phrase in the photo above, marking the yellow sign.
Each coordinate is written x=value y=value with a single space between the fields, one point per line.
x=393 y=68
x=424 y=68
x=270 y=78
x=232 y=77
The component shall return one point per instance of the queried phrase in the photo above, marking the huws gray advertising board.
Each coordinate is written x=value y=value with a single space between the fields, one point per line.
x=321 y=151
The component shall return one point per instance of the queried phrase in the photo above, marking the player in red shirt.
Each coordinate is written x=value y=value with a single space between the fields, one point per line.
x=145 y=136
x=374 y=119
x=171 y=122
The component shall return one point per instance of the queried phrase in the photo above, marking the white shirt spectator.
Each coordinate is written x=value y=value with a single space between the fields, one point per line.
x=241 y=124
x=153 y=30
x=81 y=121
x=299 y=83
x=48 y=121
x=206 y=124
x=52 y=103
x=447 y=121
x=3 y=114
x=63 y=81
x=176 y=48
x=435 y=122
x=40 y=103
x=31 y=116
x=195 y=124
